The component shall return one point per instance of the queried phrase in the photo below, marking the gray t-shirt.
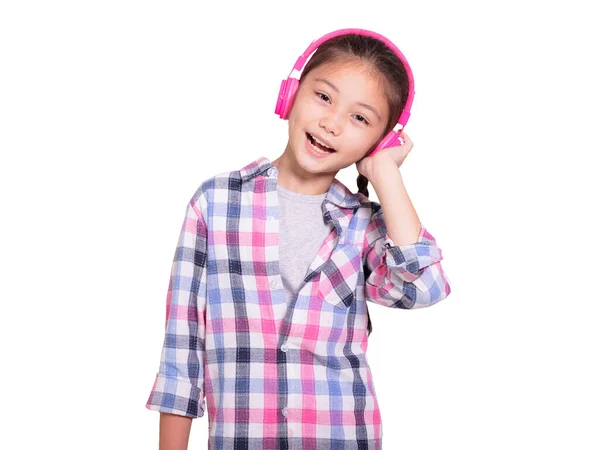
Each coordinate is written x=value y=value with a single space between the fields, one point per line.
x=301 y=235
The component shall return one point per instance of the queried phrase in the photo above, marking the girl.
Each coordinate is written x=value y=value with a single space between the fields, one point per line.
x=267 y=303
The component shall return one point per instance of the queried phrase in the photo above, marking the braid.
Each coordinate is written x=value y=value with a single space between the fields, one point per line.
x=362 y=182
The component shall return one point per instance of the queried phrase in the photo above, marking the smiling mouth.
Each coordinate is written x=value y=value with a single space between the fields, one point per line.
x=319 y=146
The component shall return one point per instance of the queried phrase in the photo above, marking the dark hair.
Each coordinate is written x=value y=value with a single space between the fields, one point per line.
x=384 y=62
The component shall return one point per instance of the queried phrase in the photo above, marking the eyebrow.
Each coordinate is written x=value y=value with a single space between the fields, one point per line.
x=364 y=105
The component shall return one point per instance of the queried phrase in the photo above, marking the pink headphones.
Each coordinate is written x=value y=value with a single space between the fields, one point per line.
x=289 y=86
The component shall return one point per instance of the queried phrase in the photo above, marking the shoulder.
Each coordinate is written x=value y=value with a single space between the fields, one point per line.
x=222 y=187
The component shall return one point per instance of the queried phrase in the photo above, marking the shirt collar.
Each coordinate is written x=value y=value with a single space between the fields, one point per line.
x=338 y=193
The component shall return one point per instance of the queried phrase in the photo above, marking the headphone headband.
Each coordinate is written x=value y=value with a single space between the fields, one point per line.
x=301 y=61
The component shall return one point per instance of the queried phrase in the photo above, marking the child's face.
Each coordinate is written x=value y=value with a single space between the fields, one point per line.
x=342 y=105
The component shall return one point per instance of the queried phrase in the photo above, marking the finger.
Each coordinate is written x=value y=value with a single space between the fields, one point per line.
x=397 y=152
x=404 y=136
x=408 y=143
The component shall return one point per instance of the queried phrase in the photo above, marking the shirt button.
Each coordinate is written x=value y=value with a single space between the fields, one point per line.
x=284 y=347
x=270 y=219
x=270 y=172
x=284 y=411
x=274 y=284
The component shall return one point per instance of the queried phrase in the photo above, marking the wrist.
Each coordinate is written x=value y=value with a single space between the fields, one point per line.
x=382 y=172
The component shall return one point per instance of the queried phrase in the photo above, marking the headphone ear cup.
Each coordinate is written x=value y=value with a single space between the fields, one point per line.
x=278 y=108
x=285 y=100
x=392 y=139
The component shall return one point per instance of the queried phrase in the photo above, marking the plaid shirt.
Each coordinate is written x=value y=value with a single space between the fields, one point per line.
x=279 y=376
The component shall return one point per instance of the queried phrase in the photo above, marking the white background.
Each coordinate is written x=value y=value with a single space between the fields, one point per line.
x=112 y=113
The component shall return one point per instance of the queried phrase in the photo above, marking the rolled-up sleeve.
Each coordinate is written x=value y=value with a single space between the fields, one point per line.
x=402 y=276
x=179 y=384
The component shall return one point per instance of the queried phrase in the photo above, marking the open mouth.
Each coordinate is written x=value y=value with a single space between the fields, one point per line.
x=318 y=146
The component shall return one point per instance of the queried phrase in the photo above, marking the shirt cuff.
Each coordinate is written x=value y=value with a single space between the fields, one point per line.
x=170 y=395
x=410 y=260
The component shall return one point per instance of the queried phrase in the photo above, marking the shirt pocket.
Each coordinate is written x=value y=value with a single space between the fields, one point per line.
x=338 y=277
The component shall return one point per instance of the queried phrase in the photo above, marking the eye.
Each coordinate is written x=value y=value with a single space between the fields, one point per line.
x=362 y=119
x=322 y=96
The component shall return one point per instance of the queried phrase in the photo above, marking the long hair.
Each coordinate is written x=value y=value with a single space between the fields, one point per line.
x=384 y=62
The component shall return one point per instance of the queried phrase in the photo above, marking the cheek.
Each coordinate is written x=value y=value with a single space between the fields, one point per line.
x=305 y=106
x=298 y=111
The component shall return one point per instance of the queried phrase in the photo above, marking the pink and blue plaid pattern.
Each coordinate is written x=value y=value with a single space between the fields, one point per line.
x=279 y=376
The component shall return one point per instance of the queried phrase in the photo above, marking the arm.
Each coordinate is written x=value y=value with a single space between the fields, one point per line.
x=174 y=432
x=401 y=219
x=402 y=266
x=179 y=384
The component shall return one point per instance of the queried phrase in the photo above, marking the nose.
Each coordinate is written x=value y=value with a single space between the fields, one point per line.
x=331 y=123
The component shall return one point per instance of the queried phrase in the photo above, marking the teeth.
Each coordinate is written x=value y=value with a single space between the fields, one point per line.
x=318 y=149
x=322 y=143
